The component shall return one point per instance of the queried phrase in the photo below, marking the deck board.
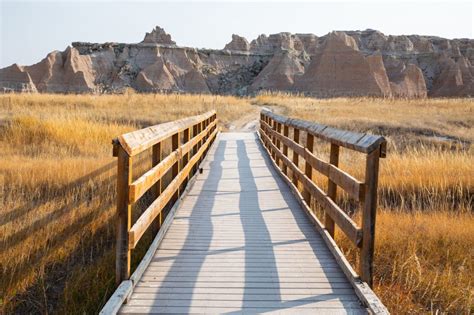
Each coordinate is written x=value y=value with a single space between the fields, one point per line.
x=240 y=243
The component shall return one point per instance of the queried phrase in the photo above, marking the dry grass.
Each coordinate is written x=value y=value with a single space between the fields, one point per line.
x=57 y=192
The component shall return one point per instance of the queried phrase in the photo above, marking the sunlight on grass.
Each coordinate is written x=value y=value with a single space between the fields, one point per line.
x=58 y=189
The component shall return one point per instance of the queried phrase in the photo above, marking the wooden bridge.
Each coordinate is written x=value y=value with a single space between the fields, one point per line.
x=234 y=221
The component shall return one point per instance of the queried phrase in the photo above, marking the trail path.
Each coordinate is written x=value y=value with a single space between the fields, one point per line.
x=248 y=122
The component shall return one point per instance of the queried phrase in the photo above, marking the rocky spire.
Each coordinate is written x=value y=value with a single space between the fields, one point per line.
x=238 y=43
x=158 y=36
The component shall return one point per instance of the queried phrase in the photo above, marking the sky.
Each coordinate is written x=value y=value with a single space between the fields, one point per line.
x=31 y=29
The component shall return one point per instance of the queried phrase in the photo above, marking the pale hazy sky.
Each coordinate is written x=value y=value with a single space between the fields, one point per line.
x=31 y=29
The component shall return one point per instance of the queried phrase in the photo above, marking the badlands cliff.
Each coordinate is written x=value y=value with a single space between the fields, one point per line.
x=351 y=63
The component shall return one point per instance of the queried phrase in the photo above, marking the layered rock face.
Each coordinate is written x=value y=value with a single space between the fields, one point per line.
x=352 y=63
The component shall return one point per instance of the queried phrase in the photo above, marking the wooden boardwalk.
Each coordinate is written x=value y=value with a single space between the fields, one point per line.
x=241 y=243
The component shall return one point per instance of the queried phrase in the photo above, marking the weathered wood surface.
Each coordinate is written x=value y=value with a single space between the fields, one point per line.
x=137 y=141
x=353 y=140
x=240 y=242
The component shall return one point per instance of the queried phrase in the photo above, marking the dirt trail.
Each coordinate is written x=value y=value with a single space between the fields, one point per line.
x=247 y=122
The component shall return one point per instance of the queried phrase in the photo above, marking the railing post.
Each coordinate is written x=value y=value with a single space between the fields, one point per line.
x=185 y=160
x=156 y=159
x=286 y=132
x=124 y=216
x=296 y=138
x=275 y=142
x=369 y=216
x=202 y=127
x=195 y=147
x=332 y=188
x=176 y=166
x=278 y=130
x=265 y=120
x=308 y=169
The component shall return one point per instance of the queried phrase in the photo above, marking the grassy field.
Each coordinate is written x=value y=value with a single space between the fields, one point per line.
x=57 y=192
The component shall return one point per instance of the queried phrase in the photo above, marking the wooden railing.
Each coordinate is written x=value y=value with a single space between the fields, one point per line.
x=275 y=131
x=190 y=141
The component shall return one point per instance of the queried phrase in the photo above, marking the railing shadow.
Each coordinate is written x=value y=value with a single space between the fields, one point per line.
x=251 y=216
x=20 y=211
x=200 y=227
x=93 y=194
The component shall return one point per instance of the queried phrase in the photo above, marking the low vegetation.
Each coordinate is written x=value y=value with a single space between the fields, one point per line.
x=57 y=192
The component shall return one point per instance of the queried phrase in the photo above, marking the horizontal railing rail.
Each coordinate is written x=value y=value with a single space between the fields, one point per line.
x=275 y=131
x=190 y=141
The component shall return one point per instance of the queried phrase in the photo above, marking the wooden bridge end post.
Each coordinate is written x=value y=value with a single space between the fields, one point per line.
x=308 y=169
x=369 y=216
x=124 y=216
x=332 y=188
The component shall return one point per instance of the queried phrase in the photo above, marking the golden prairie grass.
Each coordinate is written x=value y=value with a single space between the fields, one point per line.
x=57 y=192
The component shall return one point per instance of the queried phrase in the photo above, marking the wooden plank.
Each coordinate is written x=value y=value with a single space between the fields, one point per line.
x=124 y=216
x=138 y=141
x=230 y=285
x=241 y=291
x=139 y=187
x=315 y=162
x=140 y=226
x=235 y=297
x=362 y=289
x=369 y=216
x=243 y=277
x=250 y=304
x=351 y=185
x=222 y=310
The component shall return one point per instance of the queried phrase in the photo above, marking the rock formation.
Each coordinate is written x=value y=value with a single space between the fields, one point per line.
x=158 y=36
x=351 y=63
x=238 y=43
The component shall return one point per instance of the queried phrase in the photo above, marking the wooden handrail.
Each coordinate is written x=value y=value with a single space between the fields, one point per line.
x=365 y=193
x=190 y=141
x=361 y=142
x=138 y=141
